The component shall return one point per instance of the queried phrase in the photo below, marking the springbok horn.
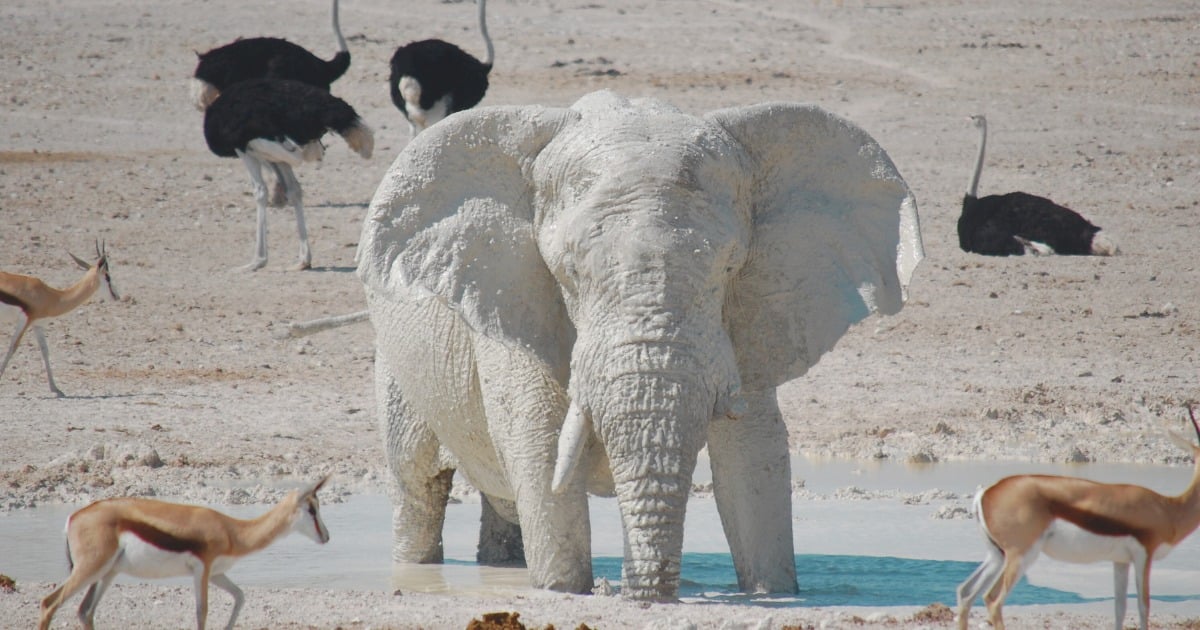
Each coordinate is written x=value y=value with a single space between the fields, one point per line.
x=311 y=490
x=79 y=261
x=1192 y=415
x=571 y=440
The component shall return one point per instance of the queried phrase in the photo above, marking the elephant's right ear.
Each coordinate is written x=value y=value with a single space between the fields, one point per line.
x=453 y=220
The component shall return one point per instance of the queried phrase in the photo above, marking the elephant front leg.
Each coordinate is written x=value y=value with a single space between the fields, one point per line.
x=751 y=471
x=557 y=534
x=525 y=409
x=555 y=526
x=420 y=485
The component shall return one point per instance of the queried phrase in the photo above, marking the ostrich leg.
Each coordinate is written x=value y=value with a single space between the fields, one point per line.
x=296 y=197
x=254 y=167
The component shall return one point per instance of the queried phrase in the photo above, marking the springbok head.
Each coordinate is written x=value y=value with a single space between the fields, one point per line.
x=101 y=265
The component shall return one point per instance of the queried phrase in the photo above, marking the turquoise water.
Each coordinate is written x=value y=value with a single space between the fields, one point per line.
x=835 y=580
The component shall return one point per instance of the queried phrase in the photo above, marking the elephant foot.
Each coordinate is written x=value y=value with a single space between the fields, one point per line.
x=578 y=584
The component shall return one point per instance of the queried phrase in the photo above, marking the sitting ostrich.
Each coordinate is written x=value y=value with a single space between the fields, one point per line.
x=280 y=123
x=1017 y=223
x=37 y=300
x=432 y=79
x=266 y=57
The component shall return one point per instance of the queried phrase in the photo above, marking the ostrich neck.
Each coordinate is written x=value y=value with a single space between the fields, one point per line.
x=487 y=41
x=973 y=191
x=337 y=29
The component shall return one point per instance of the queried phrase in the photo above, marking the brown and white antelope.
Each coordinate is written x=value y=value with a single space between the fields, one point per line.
x=155 y=539
x=1080 y=521
x=37 y=300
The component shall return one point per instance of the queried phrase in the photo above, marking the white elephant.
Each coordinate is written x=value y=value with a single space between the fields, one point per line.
x=637 y=281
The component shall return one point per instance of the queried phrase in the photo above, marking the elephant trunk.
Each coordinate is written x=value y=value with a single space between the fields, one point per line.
x=652 y=426
x=653 y=521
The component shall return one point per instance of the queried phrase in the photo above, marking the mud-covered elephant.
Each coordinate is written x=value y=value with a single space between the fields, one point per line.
x=579 y=299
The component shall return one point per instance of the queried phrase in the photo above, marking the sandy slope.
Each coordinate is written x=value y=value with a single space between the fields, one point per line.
x=179 y=388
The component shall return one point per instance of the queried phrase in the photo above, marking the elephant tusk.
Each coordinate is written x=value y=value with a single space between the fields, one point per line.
x=732 y=405
x=570 y=447
x=737 y=408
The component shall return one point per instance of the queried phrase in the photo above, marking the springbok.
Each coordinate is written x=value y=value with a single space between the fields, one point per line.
x=37 y=301
x=155 y=539
x=1080 y=521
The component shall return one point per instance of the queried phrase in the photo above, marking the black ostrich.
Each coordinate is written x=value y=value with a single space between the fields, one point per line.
x=280 y=123
x=432 y=79
x=1017 y=223
x=266 y=57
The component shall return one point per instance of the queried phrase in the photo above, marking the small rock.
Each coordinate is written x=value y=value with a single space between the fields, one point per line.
x=603 y=588
x=151 y=459
x=934 y=613
x=1078 y=456
x=922 y=458
x=952 y=512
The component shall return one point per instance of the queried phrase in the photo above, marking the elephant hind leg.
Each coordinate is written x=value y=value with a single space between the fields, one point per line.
x=418 y=514
x=420 y=483
x=500 y=541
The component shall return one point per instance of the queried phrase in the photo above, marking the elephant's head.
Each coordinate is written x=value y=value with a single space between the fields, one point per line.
x=662 y=267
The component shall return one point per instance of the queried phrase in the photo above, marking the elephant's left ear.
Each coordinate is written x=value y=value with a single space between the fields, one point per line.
x=835 y=237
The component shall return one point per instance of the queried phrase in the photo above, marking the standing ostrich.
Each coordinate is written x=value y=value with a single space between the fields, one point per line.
x=266 y=57
x=1017 y=223
x=432 y=79
x=280 y=123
